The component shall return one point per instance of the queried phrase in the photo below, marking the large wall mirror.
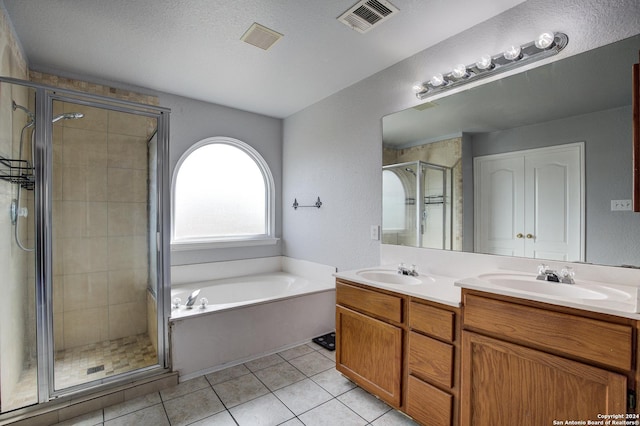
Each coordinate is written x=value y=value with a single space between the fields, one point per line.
x=537 y=164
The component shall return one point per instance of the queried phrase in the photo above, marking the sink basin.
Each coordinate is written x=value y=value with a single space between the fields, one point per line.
x=388 y=277
x=529 y=284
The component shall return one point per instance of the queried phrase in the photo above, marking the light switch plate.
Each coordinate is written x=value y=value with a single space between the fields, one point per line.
x=375 y=232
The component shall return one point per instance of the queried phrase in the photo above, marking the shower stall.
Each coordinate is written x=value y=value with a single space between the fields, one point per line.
x=84 y=248
x=417 y=205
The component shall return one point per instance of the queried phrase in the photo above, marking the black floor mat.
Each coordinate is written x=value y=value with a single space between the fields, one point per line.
x=328 y=341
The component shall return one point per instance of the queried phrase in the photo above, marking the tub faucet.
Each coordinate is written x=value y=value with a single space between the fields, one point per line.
x=191 y=299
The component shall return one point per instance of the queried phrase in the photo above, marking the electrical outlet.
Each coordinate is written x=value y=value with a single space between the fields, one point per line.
x=620 y=205
x=375 y=232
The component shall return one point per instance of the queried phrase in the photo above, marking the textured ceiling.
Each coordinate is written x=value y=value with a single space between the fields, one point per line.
x=192 y=48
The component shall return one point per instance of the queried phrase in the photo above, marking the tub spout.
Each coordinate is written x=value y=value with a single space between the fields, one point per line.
x=192 y=299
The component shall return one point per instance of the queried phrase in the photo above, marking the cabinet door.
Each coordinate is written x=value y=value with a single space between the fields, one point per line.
x=369 y=352
x=507 y=384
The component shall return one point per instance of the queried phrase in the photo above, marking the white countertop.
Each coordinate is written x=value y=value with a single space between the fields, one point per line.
x=626 y=308
x=447 y=290
x=435 y=288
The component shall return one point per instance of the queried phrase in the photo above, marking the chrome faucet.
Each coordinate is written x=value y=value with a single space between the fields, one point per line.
x=403 y=270
x=566 y=275
x=191 y=299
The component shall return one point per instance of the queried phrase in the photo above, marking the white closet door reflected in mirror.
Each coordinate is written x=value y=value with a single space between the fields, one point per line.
x=531 y=203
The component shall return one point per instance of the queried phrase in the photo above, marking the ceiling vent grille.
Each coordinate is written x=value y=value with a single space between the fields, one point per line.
x=261 y=36
x=366 y=14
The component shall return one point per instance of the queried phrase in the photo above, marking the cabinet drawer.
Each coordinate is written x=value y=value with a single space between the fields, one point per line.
x=428 y=405
x=590 y=339
x=431 y=359
x=371 y=302
x=433 y=321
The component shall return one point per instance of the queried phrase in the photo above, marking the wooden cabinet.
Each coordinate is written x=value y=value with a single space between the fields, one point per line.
x=402 y=349
x=529 y=364
x=368 y=343
x=432 y=364
x=496 y=361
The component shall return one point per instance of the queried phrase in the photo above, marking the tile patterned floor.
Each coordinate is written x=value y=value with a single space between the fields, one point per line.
x=111 y=357
x=299 y=386
x=72 y=365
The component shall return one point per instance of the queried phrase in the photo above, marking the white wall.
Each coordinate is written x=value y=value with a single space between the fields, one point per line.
x=333 y=148
x=192 y=121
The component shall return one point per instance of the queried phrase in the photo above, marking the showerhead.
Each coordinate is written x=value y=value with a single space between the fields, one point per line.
x=67 y=116
x=410 y=170
x=32 y=117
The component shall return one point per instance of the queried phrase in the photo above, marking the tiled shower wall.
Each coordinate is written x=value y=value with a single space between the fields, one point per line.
x=15 y=328
x=100 y=255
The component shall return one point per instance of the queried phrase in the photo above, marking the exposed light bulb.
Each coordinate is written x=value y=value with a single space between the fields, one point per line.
x=512 y=53
x=418 y=87
x=460 y=71
x=544 y=40
x=485 y=62
x=437 y=80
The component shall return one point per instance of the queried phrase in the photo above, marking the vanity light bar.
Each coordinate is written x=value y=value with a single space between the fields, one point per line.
x=547 y=44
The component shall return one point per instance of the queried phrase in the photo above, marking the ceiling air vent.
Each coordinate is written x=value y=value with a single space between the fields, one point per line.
x=261 y=36
x=366 y=14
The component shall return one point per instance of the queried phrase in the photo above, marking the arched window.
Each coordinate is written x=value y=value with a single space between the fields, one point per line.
x=223 y=195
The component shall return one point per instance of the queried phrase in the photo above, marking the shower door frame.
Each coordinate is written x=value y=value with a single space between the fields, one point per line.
x=447 y=235
x=43 y=203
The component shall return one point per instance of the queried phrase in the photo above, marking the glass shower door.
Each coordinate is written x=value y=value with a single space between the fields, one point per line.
x=18 y=347
x=103 y=239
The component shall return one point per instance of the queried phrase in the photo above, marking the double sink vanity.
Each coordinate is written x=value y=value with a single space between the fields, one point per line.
x=501 y=347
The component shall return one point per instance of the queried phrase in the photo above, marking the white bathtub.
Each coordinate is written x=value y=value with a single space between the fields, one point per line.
x=248 y=317
x=241 y=291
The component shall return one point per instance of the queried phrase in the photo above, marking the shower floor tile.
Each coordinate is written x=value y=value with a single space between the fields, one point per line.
x=99 y=360
x=84 y=364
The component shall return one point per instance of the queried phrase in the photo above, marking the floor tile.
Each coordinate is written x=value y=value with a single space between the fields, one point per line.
x=302 y=396
x=184 y=388
x=227 y=374
x=193 y=406
x=132 y=405
x=264 y=411
x=328 y=354
x=264 y=362
x=393 y=418
x=312 y=363
x=333 y=382
x=296 y=352
x=90 y=419
x=332 y=413
x=279 y=376
x=220 y=419
x=293 y=422
x=154 y=415
x=364 y=404
x=239 y=390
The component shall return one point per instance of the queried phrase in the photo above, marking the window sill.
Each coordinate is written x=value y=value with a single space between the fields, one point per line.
x=205 y=245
